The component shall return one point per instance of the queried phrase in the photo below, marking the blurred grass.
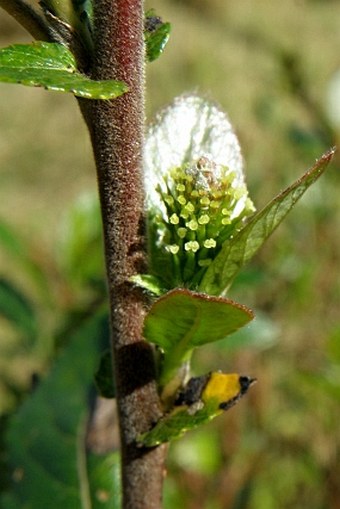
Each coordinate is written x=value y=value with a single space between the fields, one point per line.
x=268 y=64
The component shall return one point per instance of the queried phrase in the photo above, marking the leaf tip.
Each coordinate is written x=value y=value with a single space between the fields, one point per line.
x=327 y=157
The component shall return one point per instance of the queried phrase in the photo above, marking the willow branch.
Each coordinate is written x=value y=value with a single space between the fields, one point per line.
x=116 y=129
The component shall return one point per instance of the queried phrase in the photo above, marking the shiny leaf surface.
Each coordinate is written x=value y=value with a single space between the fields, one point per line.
x=53 y=67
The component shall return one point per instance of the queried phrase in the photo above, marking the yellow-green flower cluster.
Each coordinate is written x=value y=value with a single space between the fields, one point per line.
x=201 y=202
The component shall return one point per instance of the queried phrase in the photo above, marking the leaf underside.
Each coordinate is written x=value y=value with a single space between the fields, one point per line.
x=240 y=249
x=184 y=319
x=53 y=67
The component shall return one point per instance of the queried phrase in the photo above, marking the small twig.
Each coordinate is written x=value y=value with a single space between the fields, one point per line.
x=28 y=18
x=47 y=27
x=62 y=32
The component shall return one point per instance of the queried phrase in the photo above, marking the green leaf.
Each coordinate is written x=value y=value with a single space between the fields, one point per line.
x=149 y=283
x=53 y=67
x=176 y=423
x=241 y=248
x=156 y=35
x=182 y=320
x=221 y=392
x=46 y=438
x=15 y=306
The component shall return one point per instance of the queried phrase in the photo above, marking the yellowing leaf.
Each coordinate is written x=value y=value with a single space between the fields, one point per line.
x=198 y=405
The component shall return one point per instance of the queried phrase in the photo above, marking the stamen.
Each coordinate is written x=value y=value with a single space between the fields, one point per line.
x=192 y=245
x=209 y=243
x=174 y=219
x=192 y=225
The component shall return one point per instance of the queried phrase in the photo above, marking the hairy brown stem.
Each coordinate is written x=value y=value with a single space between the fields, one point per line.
x=116 y=129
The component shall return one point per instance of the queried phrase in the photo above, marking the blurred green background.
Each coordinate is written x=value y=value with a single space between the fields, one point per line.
x=272 y=66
